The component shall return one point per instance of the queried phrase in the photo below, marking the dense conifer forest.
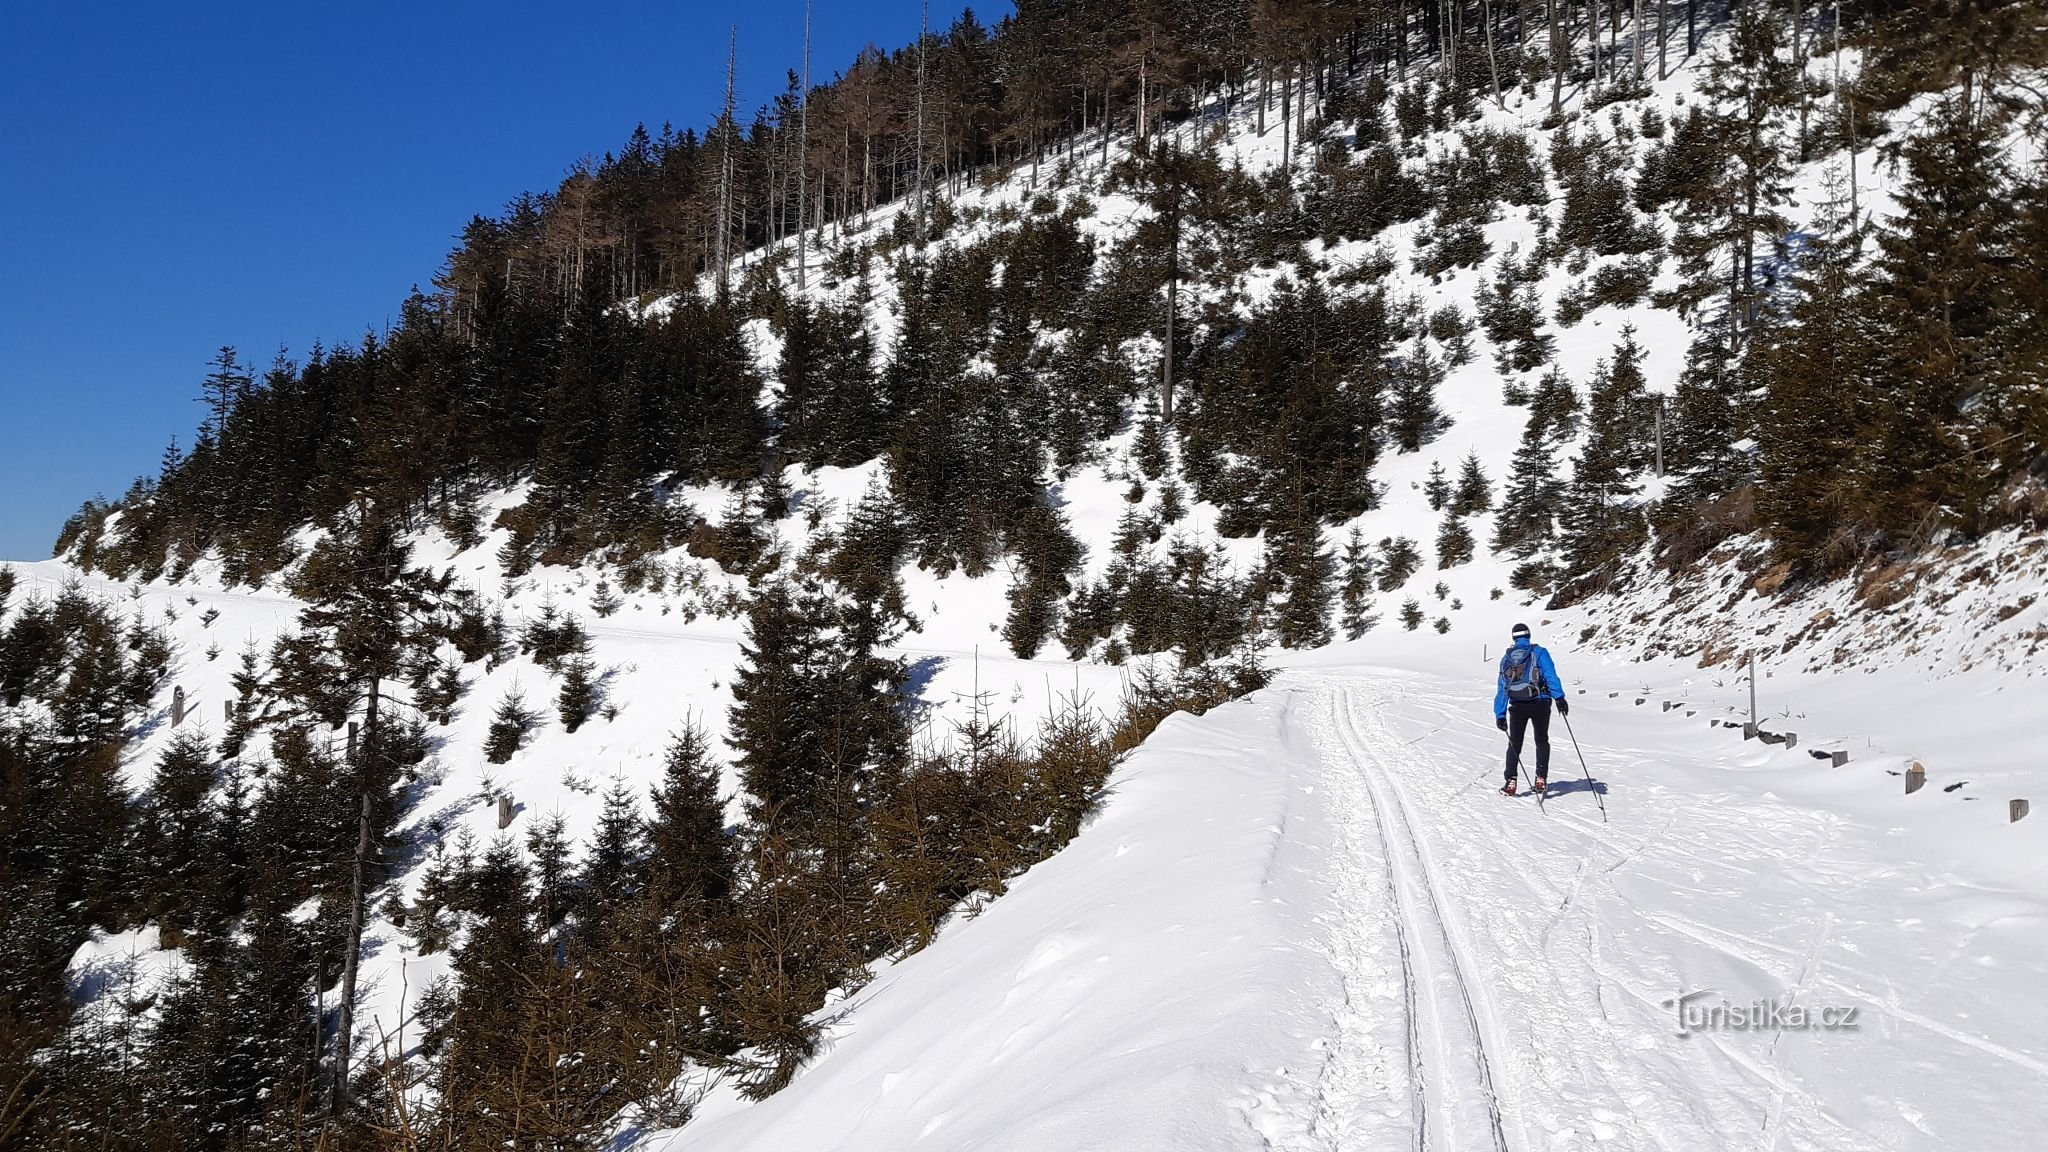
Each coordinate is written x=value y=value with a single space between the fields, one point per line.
x=1855 y=392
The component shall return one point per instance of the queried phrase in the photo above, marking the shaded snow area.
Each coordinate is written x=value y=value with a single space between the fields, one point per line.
x=1308 y=921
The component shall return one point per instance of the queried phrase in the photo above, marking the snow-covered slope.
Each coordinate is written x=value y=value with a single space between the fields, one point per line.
x=1306 y=921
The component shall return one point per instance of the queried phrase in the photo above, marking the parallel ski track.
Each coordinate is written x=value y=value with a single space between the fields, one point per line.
x=1427 y=942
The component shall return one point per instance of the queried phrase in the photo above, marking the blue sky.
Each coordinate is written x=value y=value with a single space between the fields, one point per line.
x=178 y=177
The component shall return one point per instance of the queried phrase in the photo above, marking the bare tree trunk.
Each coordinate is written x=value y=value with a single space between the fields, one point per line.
x=1301 y=110
x=1663 y=18
x=1492 y=63
x=1286 y=116
x=919 y=187
x=1848 y=105
x=803 y=153
x=1556 y=60
x=1172 y=305
x=1141 y=99
x=1636 y=35
x=1105 y=122
x=722 y=245
x=345 y=1026
x=1799 y=62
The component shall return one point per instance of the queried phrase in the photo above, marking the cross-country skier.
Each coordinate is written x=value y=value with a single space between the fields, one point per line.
x=1528 y=683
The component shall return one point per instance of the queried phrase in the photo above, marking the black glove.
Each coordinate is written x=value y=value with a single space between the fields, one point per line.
x=1500 y=722
x=1564 y=706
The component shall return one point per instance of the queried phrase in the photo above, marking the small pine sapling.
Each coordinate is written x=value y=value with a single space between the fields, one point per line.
x=1399 y=558
x=509 y=727
x=1438 y=488
x=1356 y=594
x=578 y=698
x=1453 y=543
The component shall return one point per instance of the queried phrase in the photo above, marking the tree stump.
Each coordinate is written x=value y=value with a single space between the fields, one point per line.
x=504 y=812
x=2017 y=811
x=1916 y=778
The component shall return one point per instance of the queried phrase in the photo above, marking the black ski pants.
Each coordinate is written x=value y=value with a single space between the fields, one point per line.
x=1524 y=714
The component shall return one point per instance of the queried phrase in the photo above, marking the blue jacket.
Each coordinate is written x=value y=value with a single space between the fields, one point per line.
x=1552 y=687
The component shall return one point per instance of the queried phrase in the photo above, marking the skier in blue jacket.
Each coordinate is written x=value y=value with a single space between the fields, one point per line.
x=1521 y=697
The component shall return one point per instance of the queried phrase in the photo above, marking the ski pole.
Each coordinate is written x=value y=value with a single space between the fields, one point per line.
x=1583 y=771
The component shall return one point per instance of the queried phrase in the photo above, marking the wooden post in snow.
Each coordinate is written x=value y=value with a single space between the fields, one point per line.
x=1752 y=691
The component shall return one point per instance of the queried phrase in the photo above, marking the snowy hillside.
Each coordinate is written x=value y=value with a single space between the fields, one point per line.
x=1305 y=919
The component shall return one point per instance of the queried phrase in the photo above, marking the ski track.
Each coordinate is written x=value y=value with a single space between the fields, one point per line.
x=1453 y=1095
x=1452 y=907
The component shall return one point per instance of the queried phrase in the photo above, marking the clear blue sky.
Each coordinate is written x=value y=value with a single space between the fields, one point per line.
x=174 y=177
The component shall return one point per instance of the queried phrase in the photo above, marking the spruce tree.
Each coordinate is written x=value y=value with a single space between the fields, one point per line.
x=1731 y=206
x=1956 y=334
x=777 y=705
x=689 y=856
x=1527 y=522
x=1473 y=495
x=1437 y=489
x=1356 y=594
x=177 y=833
x=1303 y=617
x=1453 y=542
x=547 y=845
x=614 y=868
x=483 y=1063
x=1415 y=418
x=509 y=727
x=1600 y=518
x=578 y=697
x=1399 y=558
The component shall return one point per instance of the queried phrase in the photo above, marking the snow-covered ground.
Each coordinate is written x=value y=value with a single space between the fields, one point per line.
x=1307 y=921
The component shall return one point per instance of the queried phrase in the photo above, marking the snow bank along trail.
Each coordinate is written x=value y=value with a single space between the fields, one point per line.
x=1307 y=921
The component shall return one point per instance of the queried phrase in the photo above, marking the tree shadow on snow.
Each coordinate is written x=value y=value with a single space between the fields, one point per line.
x=917 y=677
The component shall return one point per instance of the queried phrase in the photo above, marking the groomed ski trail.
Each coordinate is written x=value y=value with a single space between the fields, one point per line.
x=1454 y=1099
x=1513 y=996
x=1304 y=922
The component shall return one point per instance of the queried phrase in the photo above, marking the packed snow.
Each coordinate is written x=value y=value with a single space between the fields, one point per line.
x=1307 y=920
